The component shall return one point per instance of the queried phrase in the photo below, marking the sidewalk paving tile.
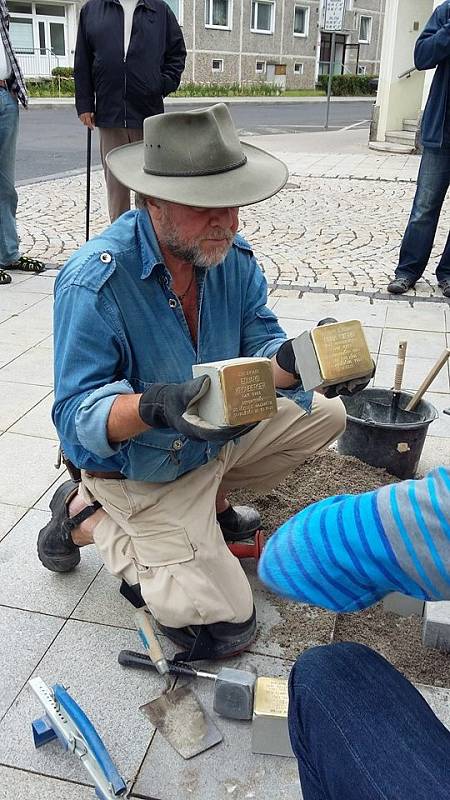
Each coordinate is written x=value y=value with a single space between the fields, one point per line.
x=24 y=639
x=439 y=700
x=8 y=352
x=227 y=770
x=35 y=367
x=38 y=421
x=423 y=317
x=435 y=452
x=9 y=515
x=27 y=467
x=22 y=785
x=24 y=581
x=17 y=399
x=11 y=304
x=84 y=658
x=43 y=503
x=441 y=426
x=415 y=371
x=421 y=344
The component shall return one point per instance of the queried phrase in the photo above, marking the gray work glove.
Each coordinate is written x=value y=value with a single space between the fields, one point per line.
x=174 y=405
x=349 y=387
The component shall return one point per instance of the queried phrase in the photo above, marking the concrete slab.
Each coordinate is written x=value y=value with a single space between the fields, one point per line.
x=24 y=639
x=415 y=371
x=84 y=658
x=436 y=626
x=17 y=399
x=229 y=770
x=27 y=468
x=9 y=515
x=43 y=504
x=9 y=352
x=294 y=327
x=439 y=700
x=25 y=786
x=33 y=367
x=26 y=584
x=103 y=603
x=435 y=453
x=38 y=421
x=441 y=426
x=16 y=302
x=423 y=317
x=421 y=344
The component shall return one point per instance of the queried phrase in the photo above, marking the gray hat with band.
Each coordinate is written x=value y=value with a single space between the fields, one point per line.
x=195 y=158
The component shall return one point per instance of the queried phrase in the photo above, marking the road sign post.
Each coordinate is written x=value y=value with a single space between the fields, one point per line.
x=333 y=22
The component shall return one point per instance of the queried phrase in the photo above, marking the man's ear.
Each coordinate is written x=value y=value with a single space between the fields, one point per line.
x=154 y=208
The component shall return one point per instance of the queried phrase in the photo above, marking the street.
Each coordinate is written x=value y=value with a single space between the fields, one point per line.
x=52 y=141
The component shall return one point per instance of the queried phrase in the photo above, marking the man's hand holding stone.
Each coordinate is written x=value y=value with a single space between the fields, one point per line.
x=174 y=405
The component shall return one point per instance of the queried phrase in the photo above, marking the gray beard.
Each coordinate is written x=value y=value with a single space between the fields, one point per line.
x=193 y=254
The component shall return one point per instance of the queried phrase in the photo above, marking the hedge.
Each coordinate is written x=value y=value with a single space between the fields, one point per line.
x=348 y=85
x=226 y=89
x=63 y=72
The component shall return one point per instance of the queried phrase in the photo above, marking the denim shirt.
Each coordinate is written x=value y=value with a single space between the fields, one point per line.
x=119 y=327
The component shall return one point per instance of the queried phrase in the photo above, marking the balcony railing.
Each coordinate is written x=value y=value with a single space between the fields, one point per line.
x=37 y=62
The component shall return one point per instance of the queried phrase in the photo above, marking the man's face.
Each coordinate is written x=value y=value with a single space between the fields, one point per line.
x=200 y=236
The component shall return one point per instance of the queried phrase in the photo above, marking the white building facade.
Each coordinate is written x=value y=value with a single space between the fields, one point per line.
x=279 y=41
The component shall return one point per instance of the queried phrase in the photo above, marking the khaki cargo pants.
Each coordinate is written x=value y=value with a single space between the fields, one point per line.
x=165 y=536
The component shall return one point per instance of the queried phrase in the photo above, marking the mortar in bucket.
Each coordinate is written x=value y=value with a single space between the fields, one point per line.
x=371 y=437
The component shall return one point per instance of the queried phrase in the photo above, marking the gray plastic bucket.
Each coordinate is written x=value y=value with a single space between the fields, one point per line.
x=395 y=446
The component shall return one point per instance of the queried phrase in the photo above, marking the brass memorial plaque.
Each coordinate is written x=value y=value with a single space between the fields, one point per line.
x=342 y=351
x=248 y=392
x=271 y=697
x=242 y=391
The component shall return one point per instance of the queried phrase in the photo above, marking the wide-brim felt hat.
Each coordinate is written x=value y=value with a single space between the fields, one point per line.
x=195 y=158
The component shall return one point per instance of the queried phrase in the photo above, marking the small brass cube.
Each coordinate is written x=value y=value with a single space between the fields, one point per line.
x=242 y=391
x=332 y=354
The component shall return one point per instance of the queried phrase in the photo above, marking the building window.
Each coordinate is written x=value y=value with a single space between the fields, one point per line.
x=260 y=66
x=362 y=69
x=298 y=68
x=301 y=21
x=263 y=17
x=217 y=14
x=38 y=29
x=217 y=65
x=365 y=30
x=177 y=7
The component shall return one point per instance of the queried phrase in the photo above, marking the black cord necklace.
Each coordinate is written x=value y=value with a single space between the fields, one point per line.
x=182 y=296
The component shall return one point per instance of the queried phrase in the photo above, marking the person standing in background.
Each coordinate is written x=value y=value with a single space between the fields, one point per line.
x=12 y=90
x=129 y=55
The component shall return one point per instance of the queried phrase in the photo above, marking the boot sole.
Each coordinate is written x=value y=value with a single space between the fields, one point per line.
x=56 y=563
x=186 y=642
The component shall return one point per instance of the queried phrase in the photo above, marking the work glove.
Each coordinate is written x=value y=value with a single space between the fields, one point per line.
x=285 y=358
x=174 y=405
x=349 y=387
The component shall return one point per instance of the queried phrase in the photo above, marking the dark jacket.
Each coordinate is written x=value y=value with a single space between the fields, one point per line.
x=123 y=91
x=433 y=50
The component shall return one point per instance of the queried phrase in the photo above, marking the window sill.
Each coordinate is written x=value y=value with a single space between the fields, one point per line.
x=218 y=27
x=301 y=35
x=265 y=33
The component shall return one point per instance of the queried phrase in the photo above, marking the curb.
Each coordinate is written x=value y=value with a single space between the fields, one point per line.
x=63 y=102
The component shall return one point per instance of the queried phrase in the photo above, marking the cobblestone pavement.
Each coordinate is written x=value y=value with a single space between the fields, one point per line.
x=337 y=225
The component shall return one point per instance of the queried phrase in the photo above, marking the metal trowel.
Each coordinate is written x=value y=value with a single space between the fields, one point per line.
x=177 y=714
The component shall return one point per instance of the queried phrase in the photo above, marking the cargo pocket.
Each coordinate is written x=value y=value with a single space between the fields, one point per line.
x=152 y=550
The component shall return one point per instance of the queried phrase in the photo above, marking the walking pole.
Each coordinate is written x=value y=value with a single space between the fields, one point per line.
x=88 y=180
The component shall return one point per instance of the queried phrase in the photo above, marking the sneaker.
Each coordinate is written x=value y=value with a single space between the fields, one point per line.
x=27 y=264
x=400 y=285
x=239 y=522
x=55 y=547
x=4 y=278
x=215 y=641
x=445 y=287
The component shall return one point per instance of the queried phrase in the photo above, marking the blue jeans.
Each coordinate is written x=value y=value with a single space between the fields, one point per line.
x=361 y=731
x=432 y=184
x=9 y=124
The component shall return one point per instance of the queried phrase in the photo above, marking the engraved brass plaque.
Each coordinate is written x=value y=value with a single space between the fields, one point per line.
x=342 y=351
x=271 y=697
x=248 y=392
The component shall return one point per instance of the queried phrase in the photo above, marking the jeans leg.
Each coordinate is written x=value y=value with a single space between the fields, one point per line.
x=360 y=730
x=432 y=184
x=9 y=123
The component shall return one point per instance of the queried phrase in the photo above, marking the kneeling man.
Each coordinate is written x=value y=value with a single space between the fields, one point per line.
x=163 y=288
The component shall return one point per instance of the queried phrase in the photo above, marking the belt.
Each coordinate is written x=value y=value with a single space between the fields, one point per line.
x=4 y=84
x=114 y=476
